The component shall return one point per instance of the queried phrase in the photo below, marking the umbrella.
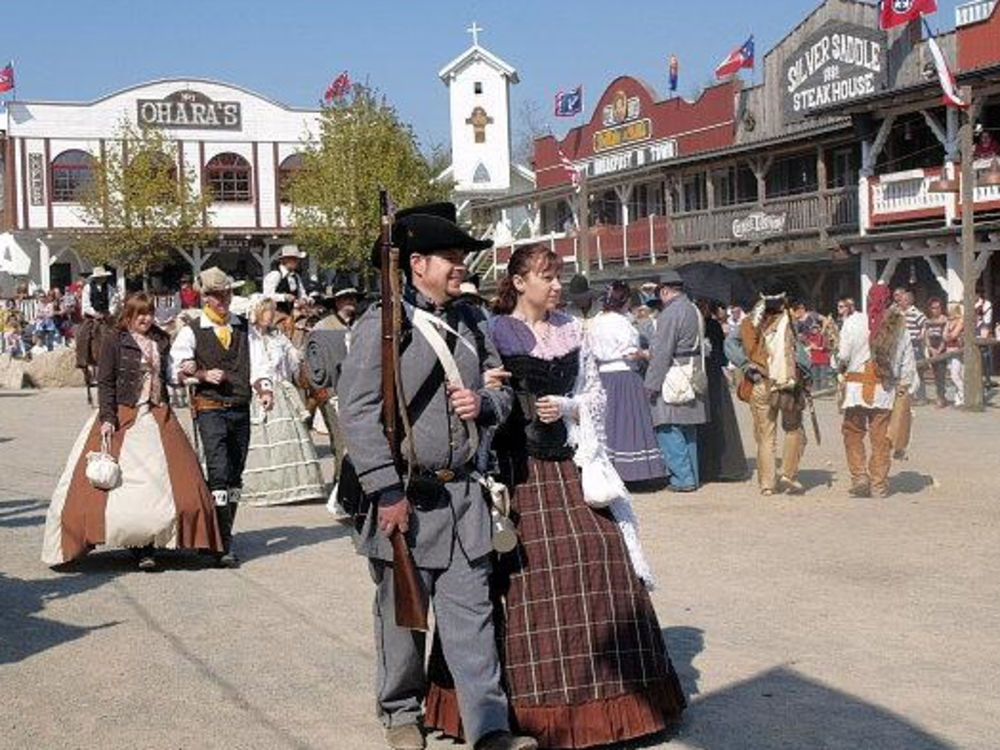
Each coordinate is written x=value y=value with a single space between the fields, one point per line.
x=716 y=282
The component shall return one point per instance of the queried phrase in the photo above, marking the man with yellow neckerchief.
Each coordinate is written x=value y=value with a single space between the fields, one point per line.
x=213 y=350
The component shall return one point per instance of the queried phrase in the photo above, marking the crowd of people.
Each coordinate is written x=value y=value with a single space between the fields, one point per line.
x=536 y=413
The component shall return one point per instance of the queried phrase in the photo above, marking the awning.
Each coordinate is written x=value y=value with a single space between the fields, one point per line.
x=13 y=257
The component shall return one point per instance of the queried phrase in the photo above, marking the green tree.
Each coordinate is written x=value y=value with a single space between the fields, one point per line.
x=140 y=205
x=362 y=145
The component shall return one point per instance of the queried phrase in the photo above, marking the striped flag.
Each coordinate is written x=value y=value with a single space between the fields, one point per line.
x=571 y=170
x=949 y=88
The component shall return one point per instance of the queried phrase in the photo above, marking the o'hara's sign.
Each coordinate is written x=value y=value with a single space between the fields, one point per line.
x=758 y=225
x=188 y=110
x=839 y=63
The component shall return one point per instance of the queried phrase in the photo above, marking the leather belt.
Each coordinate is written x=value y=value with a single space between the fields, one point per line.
x=442 y=475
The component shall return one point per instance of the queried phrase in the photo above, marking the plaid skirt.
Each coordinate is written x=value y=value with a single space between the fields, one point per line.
x=583 y=657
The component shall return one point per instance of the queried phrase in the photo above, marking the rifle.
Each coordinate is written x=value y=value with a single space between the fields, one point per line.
x=409 y=597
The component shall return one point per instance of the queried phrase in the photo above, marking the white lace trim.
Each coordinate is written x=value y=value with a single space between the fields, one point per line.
x=587 y=436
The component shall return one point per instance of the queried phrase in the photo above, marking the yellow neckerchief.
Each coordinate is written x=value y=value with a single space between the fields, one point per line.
x=223 y=331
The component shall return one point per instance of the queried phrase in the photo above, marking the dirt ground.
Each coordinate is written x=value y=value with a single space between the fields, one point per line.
x=806 y=622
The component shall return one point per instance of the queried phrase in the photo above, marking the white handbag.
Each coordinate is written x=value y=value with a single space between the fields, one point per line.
x=103 y=471
x=601 y=483
x=683 y=383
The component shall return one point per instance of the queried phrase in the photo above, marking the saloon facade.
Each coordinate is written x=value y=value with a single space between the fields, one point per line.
x=779 y=179
x=241 y=145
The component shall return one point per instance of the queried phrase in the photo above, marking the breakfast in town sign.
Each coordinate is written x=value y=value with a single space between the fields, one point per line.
x=188 y=109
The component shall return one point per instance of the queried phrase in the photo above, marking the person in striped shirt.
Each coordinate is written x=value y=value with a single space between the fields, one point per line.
x=916 y=327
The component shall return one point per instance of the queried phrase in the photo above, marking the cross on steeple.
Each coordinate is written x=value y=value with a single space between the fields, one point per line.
x=474 y=30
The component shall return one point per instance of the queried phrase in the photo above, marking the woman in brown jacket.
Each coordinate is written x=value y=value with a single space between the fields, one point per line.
x=161 y=499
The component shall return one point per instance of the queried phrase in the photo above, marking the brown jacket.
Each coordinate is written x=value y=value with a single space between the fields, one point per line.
x=119 y=379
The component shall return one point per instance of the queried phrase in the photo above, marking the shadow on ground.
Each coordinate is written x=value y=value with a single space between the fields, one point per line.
x=23 y=632
x=782 y=709
x=13 y=513
x=910 y=482
x=250 y=545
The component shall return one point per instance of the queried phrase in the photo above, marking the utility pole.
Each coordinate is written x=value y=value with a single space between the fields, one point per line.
x=970 y=351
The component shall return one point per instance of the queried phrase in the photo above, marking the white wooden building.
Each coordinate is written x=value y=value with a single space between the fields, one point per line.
x=239 y=143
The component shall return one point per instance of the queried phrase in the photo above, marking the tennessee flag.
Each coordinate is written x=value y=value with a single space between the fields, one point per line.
x=7 y=77
x=896 y=12
x=741 y=57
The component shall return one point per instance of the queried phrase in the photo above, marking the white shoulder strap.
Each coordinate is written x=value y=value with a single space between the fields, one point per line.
x=429 y=328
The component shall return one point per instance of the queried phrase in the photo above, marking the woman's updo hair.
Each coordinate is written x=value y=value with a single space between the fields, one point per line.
x=527 y=258
x=616 y=296
x=137 y=303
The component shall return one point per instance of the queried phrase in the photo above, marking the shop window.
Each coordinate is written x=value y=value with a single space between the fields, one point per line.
x=842 y=166
x=605 y=209
x=557 y=217
x=72 y=174
x=792 y=175
x=229 y=177
x=286 y=172
x=734 y=185
x=646 y=200
x=693 y=194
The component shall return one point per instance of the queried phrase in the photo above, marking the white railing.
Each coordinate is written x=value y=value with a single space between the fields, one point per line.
x=984 y=193
x=905 y=191
x=978 y=10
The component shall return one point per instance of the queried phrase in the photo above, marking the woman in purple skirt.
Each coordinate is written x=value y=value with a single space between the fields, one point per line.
x=614 y=342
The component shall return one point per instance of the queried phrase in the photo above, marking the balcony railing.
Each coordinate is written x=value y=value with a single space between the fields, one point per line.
x=900 y=197
x=978 y=10
x=652 y=239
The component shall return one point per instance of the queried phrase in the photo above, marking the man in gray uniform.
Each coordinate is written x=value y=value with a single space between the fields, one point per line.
x=441 y=511
x=677 y=341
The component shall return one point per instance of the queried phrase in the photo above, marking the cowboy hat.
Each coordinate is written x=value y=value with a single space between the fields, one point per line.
x=214 y=279
x=290 y=251
x=100 y=272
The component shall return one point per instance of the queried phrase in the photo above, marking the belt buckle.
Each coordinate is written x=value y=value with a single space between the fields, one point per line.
x=444 y=475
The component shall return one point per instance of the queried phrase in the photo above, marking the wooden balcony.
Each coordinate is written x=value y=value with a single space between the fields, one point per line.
x=899 y=198
x=652 y=240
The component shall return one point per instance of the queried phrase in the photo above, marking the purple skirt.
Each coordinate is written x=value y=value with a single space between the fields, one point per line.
x=628 y=425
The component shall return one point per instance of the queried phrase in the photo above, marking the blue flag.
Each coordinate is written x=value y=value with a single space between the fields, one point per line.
x=569 y=103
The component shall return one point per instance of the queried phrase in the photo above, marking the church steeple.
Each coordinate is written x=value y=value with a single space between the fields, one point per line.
x=479 y=97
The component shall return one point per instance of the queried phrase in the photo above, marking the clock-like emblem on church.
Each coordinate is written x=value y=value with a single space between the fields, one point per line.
x=479 y=120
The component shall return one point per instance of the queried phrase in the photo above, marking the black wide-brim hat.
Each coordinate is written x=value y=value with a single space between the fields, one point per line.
x=428 y=229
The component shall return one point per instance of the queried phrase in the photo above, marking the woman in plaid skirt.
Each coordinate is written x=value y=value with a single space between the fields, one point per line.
x=583 y=656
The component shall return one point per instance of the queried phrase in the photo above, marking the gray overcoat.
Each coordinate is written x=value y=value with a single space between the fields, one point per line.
x=677 y=337
x=461 y=516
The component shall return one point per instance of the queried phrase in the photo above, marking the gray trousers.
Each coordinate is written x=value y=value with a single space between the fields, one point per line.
x=464 y=617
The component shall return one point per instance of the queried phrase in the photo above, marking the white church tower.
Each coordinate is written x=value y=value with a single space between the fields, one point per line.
x=479 y=92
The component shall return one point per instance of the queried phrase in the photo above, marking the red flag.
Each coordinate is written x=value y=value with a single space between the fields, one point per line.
x=7 y=77
x=338 y=89
x=741 y=57
x=896 y=12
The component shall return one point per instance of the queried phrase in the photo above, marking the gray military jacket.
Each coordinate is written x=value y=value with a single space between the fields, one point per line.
x=677 y=336
x=459 y=515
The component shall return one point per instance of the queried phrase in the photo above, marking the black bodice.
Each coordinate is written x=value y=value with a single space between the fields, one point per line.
x=532 y=378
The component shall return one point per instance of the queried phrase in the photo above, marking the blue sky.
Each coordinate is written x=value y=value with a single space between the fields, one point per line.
x=290 y=50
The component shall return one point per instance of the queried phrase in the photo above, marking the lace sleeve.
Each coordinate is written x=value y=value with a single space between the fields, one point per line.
x=586 y=434
x=586 y=430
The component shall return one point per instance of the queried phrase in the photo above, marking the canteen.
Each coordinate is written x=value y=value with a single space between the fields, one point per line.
x=504 y=534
